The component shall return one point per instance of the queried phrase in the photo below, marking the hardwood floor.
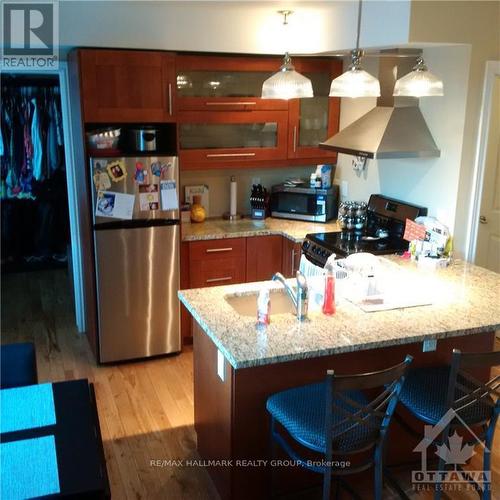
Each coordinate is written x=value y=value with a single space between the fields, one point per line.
x=145 y=408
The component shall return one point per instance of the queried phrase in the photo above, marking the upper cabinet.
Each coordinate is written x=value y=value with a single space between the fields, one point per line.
x=313 y=120
x=216 y=83
x=214 y=101
x=123 y=86
x=223 y=121
x=231 y=139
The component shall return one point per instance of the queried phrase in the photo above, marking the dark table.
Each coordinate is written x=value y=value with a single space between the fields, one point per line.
x=69 y=427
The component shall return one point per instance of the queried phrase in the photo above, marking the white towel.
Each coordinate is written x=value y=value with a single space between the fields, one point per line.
x=308 y=269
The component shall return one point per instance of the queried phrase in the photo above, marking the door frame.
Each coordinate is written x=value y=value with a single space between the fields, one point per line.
x=74 y=218
x=491 y=71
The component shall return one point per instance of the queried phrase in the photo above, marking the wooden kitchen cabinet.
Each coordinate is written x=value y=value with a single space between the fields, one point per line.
x=231 y=139
x=225 y=83
x=223 y=122
x=313 y=120
x=290 y=257
x=127 y=86
x=264 y=254
x=217 y=262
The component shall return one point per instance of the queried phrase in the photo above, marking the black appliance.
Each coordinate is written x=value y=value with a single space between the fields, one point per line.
x=304 y=203
x=385 y=226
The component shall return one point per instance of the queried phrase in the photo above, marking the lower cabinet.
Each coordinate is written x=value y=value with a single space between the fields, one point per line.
x=291 y=257
x=234 y=260
x=217 y=262
x=264 y=254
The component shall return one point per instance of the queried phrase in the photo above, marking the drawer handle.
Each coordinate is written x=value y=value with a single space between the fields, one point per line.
x=215 y=280
x=235 y=103
x=213 y=250
x=229 y=155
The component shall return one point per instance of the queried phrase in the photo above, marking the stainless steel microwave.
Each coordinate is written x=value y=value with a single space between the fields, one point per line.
x=304 y=203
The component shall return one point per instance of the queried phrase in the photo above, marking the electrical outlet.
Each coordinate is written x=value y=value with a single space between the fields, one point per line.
x=344 y=189
x=220 y=366
x=429 y=345
x=256 y=180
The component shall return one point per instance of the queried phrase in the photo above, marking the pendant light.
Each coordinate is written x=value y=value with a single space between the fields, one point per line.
x=420 y=82
x=287 y=83
x=355 y=82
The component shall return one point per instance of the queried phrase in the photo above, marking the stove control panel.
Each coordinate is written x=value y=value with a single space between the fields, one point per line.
x=316 y=253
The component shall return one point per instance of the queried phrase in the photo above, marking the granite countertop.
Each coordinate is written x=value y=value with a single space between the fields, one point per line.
x=214 y=229
x=465 y=301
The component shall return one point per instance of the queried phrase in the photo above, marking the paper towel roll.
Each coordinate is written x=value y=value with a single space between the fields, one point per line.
x=232 y=196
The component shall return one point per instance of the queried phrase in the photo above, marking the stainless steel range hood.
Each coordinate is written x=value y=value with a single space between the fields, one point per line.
x=395 y=128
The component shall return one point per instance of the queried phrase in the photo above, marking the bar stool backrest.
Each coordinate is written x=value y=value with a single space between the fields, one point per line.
x=465 y=390
x=374 y=416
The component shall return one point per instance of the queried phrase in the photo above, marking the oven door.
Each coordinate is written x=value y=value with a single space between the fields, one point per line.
x=302 y=206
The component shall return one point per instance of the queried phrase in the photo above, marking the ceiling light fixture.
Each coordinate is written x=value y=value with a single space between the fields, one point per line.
x=287 y=83
x=355 y=82
x=420 y=82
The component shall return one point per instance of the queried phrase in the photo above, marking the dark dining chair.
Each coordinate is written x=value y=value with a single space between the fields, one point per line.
x=450 y=398
x=337 y=418
x=18 y=365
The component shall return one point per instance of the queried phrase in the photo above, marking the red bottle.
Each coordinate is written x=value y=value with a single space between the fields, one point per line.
x=329 y=296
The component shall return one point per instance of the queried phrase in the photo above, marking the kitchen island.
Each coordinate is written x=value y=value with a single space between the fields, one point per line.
x=237 y=366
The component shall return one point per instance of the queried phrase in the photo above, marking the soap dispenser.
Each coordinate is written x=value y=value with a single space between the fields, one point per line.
x=329 y=295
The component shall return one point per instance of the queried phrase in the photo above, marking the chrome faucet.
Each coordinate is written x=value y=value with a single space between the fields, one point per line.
x=300 y=297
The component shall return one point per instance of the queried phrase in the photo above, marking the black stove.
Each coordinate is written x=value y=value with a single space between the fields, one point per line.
x=386 y=219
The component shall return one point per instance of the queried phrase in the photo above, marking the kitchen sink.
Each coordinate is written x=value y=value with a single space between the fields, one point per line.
x=246 y=305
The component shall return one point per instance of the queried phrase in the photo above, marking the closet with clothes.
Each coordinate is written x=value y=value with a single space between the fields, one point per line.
x=34 y=216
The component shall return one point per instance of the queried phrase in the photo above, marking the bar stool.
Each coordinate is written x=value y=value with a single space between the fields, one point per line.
x=336 y=418
x=450 y=398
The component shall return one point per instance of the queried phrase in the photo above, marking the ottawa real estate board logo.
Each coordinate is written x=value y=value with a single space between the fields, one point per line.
x=454 y=453
x=30 y=35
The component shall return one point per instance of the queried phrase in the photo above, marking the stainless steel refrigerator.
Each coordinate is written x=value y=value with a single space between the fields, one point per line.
x=136 y=241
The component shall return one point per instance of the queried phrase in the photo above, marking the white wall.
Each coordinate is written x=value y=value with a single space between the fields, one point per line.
x=475 y=23
x=218 y=184
x=429 y=182
x=238 y=27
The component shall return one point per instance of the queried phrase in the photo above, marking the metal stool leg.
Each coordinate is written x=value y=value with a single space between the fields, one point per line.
x=327 y=482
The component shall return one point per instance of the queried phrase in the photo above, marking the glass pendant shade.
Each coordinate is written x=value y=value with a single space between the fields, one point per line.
x=419 y=83
x=355 y=82
x=287 y=83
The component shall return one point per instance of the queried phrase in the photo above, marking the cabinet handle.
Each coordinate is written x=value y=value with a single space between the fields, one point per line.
x=295 y=138
x=215 y=280
x=229 y=155
x=170 y=99
x=213 y=250
x=293 y=261
x=231 y=103
x=483 y=219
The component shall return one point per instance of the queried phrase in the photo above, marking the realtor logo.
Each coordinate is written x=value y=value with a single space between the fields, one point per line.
x=453 y=453
x=30 y=35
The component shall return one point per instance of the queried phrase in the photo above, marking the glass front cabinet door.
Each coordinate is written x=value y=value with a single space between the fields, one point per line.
x=217 y=83
x=231 y=139
x=315 y=119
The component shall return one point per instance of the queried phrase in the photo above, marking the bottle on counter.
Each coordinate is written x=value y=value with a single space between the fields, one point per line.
x=312 y=180
x=318 y=177
x=329 y=296
x=263 y=307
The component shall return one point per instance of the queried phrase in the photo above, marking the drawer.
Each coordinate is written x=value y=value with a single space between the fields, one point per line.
x=215 y=272
x=217 y=249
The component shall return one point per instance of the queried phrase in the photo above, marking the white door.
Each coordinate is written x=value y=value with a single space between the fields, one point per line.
x=488 y=237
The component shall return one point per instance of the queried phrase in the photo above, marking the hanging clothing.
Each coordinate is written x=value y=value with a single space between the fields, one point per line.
x=37 y=144
x=31 y=140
